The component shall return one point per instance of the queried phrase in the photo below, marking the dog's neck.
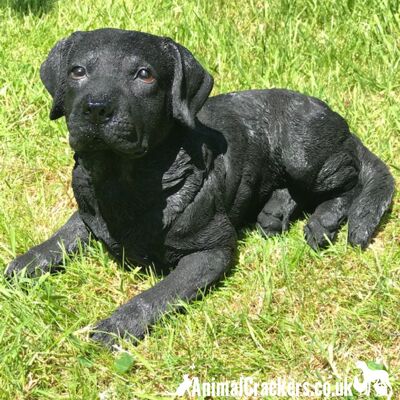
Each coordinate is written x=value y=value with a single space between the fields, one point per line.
x=166 y=167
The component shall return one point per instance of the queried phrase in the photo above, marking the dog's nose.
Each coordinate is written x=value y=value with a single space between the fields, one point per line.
x=98 y=111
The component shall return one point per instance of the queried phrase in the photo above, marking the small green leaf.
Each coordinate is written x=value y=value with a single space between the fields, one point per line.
x=84 y=362
x=375 y=366
x=123 y=363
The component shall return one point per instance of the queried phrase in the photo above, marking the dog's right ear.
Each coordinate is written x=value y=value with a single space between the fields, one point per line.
x=53 y=75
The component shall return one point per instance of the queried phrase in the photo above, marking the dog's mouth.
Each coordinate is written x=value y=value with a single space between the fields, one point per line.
x=130 y=151
x=138 y=152
x=117 y=138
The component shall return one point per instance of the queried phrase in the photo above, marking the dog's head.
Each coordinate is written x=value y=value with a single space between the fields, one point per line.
x=123 y=90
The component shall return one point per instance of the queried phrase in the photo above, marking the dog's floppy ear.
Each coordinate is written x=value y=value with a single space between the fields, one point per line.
x=53 y=75
x=191 y=84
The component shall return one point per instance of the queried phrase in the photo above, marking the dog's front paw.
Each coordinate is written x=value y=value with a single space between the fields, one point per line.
x=105 y=332
x=33 y=263
x=127 y=322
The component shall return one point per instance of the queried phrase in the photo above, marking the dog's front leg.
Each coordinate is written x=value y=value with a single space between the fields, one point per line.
x=194 y=272
x=48 y=255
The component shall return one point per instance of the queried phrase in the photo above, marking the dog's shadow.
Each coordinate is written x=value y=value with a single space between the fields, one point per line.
x=35 y=7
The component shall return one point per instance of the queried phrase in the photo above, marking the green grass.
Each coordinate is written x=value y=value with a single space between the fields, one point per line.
x=285 y=310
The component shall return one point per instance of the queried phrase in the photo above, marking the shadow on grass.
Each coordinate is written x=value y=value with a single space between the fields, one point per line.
x=36 y=7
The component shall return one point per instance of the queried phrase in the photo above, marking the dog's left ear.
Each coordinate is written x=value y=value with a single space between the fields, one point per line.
x=191 y=84
x=53 y=75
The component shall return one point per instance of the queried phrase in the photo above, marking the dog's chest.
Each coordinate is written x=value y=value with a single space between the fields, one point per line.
x=132 y=211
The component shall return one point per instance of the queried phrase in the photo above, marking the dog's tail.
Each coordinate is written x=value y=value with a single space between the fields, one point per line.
x=374 y=198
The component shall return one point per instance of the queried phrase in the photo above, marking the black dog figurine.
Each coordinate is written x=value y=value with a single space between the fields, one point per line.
x=165 y=175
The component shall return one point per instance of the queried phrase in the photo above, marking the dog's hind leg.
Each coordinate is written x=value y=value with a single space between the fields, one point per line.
x=358 y=187
x=335 y=186
x=277 y=213
x=374 y=199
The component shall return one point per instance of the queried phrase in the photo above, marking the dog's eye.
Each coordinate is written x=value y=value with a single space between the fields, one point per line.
x=145 y=75
x=77 y=72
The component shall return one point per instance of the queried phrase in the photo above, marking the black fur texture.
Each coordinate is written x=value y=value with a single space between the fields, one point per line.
x=165 y=175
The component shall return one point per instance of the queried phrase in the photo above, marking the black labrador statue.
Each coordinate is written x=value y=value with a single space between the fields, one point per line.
x=166 y=176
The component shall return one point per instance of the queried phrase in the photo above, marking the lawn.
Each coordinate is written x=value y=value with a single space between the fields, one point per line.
x=285 y=310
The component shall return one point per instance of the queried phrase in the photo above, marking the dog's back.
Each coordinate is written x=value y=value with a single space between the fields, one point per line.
x=283 y=139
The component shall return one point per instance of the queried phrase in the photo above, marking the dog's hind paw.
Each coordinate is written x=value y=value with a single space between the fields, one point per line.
x=359 y=238
x=318 y=236
x=277 y=213
x=269 y=225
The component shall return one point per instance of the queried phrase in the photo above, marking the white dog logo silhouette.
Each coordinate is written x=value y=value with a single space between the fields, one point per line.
x=184 y=386
x=378 y=378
